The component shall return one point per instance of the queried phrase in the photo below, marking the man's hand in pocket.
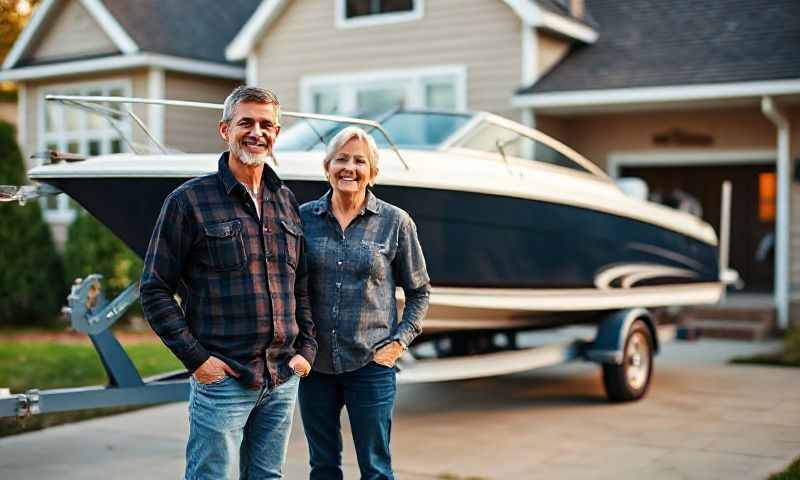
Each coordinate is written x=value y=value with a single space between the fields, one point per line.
x=213 y=370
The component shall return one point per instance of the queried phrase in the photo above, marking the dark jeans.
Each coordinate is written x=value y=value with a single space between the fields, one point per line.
x=368 y=393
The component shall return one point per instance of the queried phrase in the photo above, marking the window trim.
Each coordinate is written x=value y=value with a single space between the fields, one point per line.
x=375 y=19
x=414 y=80
x=64 y=214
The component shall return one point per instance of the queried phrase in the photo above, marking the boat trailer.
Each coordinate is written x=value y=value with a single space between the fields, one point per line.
x=624 y=344
x=91 y=313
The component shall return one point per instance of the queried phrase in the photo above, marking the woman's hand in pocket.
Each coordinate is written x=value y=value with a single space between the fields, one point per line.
x=388 y=354
x=300 y=366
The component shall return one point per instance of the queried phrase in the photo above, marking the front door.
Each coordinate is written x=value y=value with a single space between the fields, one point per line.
x=752 y=247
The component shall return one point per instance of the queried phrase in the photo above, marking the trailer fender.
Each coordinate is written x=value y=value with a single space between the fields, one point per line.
x=609 y=342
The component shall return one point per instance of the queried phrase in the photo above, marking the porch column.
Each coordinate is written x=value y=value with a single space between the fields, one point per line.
x=156 y=84
x=783 y=183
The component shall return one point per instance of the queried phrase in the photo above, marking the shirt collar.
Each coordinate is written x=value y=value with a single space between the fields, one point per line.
x=323 y=203
x=229 y=182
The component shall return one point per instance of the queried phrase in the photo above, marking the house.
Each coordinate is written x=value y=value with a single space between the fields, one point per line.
x=142 y=48
x=681 y=94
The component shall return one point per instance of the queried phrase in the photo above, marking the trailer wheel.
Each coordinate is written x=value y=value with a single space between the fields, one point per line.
x=629 y=380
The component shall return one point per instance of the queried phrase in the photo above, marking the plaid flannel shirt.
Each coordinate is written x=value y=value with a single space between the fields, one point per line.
x=353 y=275
x=241 y=279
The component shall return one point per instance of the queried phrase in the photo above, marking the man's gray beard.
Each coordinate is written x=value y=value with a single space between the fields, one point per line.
x=246 y=157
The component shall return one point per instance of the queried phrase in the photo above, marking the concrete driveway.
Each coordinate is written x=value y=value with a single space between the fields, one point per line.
x=702 y=419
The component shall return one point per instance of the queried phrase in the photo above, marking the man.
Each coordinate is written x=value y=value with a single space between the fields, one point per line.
x=230 y=245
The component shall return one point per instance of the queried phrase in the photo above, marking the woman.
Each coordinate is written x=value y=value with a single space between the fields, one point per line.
x=359 y=249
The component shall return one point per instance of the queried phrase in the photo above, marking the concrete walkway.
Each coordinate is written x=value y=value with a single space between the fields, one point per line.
x=702 y=419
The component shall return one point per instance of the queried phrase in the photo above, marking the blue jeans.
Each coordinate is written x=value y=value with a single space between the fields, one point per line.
x=368 y=393
x=227 y=420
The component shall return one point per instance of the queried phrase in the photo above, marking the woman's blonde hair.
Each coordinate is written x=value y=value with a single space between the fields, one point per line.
x=344 y=136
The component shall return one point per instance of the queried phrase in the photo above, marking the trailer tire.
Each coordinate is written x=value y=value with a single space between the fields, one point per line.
x=630 y=380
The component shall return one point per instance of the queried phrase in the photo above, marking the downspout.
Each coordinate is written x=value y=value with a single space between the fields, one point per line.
x=771 y=111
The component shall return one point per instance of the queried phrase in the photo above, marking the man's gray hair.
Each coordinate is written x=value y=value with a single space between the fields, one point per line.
x=245 y=94
x=344 y=136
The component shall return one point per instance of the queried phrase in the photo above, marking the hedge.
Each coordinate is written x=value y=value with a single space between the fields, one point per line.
x=32 y=287
x=92 y=248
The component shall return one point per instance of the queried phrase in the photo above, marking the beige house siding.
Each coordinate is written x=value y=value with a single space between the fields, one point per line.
x=556 y=127
x=72 y=32
x=596 y=136
x=31 y=111
x=192 y=130
x=484 y=36
x=551 y=50
x=136 y=79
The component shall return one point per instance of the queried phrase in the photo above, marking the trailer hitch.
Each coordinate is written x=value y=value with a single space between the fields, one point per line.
x=88 y=309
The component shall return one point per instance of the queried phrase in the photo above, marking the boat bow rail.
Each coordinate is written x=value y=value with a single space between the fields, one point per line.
x=96 y=105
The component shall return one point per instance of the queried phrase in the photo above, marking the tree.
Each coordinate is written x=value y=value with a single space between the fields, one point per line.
x=92 y=248
x=14 y=14
x=32 y=285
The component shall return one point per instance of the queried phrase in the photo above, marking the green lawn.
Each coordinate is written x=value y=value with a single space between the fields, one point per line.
x=789 y=356
x=792 y=472
x=52 y=364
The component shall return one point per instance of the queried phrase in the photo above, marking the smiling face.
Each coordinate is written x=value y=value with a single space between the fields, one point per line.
x=349 y=169
x=251 y=133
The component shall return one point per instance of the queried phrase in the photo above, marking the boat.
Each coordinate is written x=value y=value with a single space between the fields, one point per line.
x=519 y=230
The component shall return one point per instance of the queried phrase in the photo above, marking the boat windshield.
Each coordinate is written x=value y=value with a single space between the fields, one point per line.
x=417 y=130
x=498 y=139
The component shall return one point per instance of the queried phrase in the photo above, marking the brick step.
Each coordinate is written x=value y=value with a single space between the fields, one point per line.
x=732 y=329
x=732 y=313
x=734 y=322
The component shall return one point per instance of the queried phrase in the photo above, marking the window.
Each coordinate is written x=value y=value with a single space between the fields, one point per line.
x=325 y=100
x=70 y=129
x=419 y=130
x=503 y=141
x=360 y=8
x=361 y=13
x=766 y=197
x=442 y=88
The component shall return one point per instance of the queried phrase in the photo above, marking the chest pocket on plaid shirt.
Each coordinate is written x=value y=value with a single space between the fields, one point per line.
x=375 y=258
x=294 y=236
x=225 y=245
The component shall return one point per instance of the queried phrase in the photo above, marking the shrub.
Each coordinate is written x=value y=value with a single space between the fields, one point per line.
x=92 y=248
x=32 y=288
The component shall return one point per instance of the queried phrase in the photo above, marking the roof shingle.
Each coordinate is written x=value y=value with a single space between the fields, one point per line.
x=646 y=43
x=196 y=29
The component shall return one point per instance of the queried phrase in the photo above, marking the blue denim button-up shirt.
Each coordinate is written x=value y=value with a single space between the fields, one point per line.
x=352 y=280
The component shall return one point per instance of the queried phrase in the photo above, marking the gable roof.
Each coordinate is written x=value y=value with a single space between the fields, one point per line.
x=189 y=29
x=196 y=29
x=650 y=43
x=96 y=9
x=548 y=15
